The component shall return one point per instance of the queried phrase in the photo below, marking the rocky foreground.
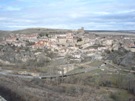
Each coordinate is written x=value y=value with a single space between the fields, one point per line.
x=84 y=87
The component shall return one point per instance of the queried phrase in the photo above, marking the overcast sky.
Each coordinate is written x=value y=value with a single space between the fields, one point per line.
x=69 y=14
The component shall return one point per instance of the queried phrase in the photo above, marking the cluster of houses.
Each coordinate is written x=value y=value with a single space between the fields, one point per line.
x=74 y=43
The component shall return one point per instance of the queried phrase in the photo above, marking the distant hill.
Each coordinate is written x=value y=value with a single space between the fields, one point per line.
x=34 y=30
x=4 y=33
x=40 y=30
x=63 y=31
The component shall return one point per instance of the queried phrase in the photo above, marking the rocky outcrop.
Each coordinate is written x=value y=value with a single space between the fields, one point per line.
x=128 y=60
x=123 y=57
x=14 y=54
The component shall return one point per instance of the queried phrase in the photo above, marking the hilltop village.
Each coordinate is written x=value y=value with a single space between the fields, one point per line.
x=73 y=43
x=77 y=45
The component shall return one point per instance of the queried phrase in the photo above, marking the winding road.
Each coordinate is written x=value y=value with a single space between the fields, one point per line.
x=86 y=69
